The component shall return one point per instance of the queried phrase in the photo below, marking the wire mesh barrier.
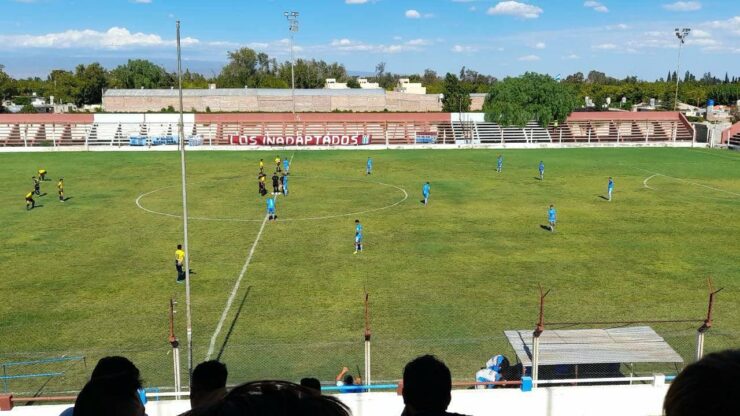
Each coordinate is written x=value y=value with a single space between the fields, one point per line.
x=376 y=350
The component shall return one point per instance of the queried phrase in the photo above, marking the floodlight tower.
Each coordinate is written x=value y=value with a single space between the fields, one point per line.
x=293 y=28
x=681 y=34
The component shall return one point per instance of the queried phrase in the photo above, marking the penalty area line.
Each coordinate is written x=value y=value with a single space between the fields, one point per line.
x=237 y=284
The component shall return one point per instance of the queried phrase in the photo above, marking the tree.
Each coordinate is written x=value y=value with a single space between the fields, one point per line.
x=532 y=96
x=64 y=85
x=28 y=109
x=241 y=69
x=140 y=73
x=576 y=78
x=7 y=85
x=352 y=83
x=456 y=98
x=91 y=80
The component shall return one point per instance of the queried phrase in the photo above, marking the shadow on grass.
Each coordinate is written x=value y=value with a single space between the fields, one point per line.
x=67 y=198
x=537 y=178
x=233 y=324
x=545 y=227
x=603 y=197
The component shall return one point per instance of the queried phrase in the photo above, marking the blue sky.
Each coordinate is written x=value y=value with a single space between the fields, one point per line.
x=620 y=37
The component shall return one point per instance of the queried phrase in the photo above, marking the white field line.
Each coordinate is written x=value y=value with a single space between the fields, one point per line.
x=685 y=181
x=326 y=217
x=235 y=289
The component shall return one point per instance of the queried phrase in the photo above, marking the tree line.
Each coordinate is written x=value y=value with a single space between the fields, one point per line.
x=248 y=68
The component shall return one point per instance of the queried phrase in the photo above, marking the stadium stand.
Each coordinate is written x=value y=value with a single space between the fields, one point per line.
x=731 y=136
x=18 y=130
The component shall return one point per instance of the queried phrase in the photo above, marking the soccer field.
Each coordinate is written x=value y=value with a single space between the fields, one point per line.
x=93 y=276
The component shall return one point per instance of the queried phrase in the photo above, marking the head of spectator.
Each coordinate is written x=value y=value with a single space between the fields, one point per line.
x=120 y=367
x=709 y=386
x=273 y=398
x=427 y=385
x=311 y=383
x=109 y=395
x=209 y=383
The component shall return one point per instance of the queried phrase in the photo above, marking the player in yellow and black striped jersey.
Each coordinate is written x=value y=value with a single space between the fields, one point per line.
x=30 y=203
x=60 y=189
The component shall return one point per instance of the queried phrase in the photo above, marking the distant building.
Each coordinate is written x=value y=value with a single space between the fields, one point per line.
x=367 y=85
x=404 y=85
x=332 y=84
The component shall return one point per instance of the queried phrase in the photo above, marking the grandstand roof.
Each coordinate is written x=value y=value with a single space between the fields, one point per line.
x=637 y=344
x=241 y=92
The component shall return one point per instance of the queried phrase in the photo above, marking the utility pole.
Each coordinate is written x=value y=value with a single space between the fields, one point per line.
x=293 y=20
x=681 y=34
x=181 y=132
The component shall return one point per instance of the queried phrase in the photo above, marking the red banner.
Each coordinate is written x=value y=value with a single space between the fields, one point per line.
x=327 y=140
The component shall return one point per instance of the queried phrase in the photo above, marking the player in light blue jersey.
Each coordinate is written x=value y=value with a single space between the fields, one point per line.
x=552 y=217
x=425 y=192
x=286 y=165
x=610 y=188
x=271 y=208
x=358 y=236
x=284 y=180
x=542 y=170
x=369 y=166
x=499 y=163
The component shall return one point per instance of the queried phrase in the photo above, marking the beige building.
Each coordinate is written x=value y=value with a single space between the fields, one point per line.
x=406 y=86
x=274 y=100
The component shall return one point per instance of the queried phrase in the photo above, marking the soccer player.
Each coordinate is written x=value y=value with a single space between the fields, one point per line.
x=369 y=166
x=30 y=203
x=36 y=186
x=542 y=170
x=358 y=236
x=284 y=180
x=499 y=163
x=552 y=217
x=262 y=166
x=275 y=183
x=610 y=188
x=261 y=184
x=60 y=189
x=271 y=208
x=286 y=165
x=277 y=163
x=425 y=192
x=179 y=261
x=42 y=174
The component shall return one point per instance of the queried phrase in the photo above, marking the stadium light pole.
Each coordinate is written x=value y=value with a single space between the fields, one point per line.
x=181 y=132
x=681 y=34
x=293 y=20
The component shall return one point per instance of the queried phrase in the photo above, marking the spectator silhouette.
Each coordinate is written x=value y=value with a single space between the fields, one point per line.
x=209 y=383
x=273 y=398
x=311 y=383
x=709 y=386
x=427 y=387
x=119 y=375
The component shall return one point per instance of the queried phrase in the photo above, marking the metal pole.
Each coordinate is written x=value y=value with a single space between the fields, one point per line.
x=681 y=35
x=292 y=70
x=368 y=378
x=180 y=127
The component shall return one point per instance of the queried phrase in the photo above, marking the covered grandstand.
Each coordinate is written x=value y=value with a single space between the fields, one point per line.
x=384 y=129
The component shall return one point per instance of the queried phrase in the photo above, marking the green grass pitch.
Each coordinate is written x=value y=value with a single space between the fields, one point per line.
x=93 y=276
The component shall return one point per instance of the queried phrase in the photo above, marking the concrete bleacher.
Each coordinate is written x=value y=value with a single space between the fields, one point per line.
x=383 y=128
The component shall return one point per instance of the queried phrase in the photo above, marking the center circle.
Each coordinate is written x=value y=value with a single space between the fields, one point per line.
x=309 y=198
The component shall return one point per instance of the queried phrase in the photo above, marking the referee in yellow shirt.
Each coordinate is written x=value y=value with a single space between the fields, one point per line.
x=179 y=261
x=30 y=203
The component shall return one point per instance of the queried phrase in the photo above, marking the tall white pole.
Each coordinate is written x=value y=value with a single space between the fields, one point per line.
x=181 y=132
x=678 y=69
x=292 y=69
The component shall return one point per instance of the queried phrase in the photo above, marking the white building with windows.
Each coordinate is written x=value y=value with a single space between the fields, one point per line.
x=405 y=85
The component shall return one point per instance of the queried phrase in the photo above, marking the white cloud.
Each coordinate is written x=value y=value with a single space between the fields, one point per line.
x=412 y=14
x=355 y=1
x=515 y=8
x=112 y=39
x=540 y=45
x=683 y=6
x=571 y=56
x=731 y=25
x=348 y=45
x=698 y=33
x=605 y=46
x=142 y=1
x=618 y=26
x=596 y=6
x=464 y=49
x=529 y=58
